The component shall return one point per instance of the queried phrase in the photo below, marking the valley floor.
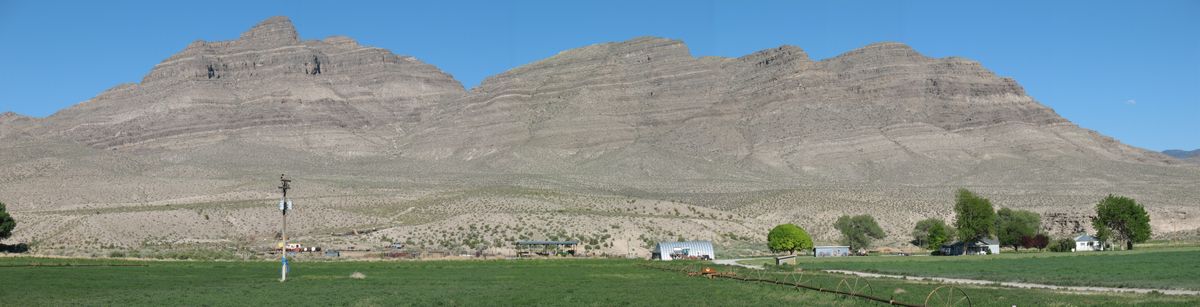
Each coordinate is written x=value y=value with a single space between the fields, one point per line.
x=31 y=281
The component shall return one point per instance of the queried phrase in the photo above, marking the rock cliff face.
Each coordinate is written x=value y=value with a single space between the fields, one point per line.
x=646 y=106
x=266 y=78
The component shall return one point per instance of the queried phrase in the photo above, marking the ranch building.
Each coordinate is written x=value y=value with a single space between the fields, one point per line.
x=974 y=247
x=1087 y=243
x=701 y=250
x=831 y=251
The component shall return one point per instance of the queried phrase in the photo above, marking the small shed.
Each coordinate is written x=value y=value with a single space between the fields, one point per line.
x=1087 y=243
x=831 y=251
x=695 y=250
x=782 y=260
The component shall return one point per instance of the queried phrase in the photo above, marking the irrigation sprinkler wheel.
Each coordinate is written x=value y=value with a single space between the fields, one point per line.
x=688 y=269
x=855 y=286
x=760 y=275
x=947 y=296
x=795 y=278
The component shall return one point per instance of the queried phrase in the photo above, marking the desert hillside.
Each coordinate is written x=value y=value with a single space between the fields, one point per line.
x=616 y=144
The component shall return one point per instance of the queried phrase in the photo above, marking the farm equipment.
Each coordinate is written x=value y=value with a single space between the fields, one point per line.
x=711 y=273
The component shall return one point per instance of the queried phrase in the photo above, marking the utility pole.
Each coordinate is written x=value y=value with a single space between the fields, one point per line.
x=285 y=204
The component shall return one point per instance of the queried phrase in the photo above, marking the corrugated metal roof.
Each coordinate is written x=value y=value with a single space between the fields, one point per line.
x=695 y=248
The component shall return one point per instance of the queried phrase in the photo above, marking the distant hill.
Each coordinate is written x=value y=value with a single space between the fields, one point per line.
x=1182 y=154
x=1190 y=156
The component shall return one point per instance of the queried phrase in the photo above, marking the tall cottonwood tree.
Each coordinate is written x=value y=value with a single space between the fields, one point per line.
x=974 y=217
x=1121 y=218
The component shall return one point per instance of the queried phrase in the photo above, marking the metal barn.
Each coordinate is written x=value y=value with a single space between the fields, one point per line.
x=831 y=251
x=702 y=250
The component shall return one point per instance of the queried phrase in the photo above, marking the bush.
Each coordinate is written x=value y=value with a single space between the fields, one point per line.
x=1062 y=245
x=6 y=223
x=18 y=248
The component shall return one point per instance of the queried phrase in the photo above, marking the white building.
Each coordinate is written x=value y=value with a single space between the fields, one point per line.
x=695 y=250
x=831 y=251
x=1086 y=243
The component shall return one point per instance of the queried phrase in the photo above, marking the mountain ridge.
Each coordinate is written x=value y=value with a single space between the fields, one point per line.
x=639 y=133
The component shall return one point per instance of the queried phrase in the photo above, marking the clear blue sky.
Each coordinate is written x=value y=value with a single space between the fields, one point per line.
x=1127 y=69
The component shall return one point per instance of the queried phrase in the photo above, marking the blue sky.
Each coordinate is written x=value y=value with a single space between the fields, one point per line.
x=1130 y=69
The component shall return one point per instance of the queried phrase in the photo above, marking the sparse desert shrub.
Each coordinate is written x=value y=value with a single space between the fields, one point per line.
x=1062 y=245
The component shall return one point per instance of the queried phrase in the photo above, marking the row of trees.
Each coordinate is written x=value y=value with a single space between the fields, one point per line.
x=1117 y=217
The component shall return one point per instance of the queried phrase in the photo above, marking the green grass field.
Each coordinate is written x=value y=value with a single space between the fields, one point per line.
x=45 y=282
x=1160 y=268
x=432 y=283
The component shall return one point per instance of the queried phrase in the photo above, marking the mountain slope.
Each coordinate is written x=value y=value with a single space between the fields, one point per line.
x=266 y=78
x=621 y=144
x=862 y=115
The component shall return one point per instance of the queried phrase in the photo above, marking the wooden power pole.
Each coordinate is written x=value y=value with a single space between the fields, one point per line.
x=285 y=204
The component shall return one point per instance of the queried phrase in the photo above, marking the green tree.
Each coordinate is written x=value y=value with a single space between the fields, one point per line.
x=1122 y=218
x=859 y=230
x=920 y=233
x=930 y=230
x=939 y=234
x=974 y=216
x=788 y=237
x=1012 y=225
x=6 y=223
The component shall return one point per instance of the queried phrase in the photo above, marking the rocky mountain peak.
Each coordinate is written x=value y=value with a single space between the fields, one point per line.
x=273 y=32
x=877 y=54
x=777 y=55
x=265 y=79
x=10 y=121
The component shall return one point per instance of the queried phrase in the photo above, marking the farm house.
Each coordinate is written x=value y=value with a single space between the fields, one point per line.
x=683 y=250
x=831 y=251
x=976 y=247
x=1087 y=243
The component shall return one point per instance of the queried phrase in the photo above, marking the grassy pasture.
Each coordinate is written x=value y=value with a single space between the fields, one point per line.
x=591 y=282
x=1160 y=268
